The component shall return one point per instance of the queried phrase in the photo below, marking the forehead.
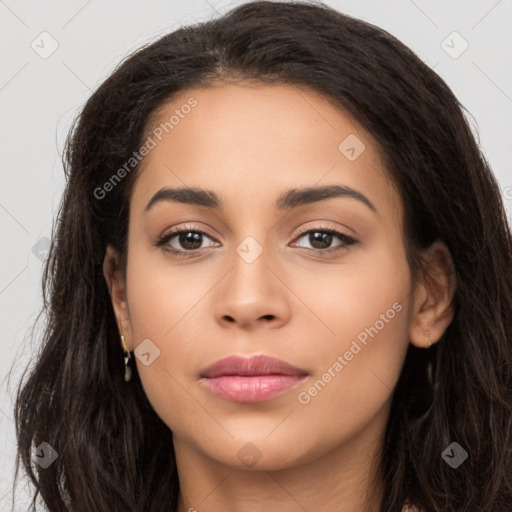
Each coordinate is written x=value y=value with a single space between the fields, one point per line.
x=250 y=142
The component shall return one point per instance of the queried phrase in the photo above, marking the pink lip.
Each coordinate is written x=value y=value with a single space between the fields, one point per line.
x=254 y=379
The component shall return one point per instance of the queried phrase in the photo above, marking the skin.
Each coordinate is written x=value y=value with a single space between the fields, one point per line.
x=249 y=144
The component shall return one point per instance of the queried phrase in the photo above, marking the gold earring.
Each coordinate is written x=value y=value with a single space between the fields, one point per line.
x=127 y=357
x=428 y=338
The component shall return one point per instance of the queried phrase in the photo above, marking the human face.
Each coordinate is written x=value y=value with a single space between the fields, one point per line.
x=336 y=307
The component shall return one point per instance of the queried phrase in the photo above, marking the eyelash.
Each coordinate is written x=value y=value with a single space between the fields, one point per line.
x=164 y=239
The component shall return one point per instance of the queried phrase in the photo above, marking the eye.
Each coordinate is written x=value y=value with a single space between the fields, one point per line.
x=320 y=239
x=187 y=238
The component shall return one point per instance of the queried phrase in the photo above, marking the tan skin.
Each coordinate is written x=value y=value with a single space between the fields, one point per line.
x=249 y=144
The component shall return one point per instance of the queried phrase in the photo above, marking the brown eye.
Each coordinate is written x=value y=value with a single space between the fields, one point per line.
x=182 y=241
x=189 y=239
x=321 y=239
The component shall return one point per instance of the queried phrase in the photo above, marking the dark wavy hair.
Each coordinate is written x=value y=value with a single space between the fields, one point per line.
x=114 y=452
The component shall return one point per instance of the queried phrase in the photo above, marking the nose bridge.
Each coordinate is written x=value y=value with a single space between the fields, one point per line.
x=255 y=239
x=251 y=290
x=251 y=235
x=250 y=261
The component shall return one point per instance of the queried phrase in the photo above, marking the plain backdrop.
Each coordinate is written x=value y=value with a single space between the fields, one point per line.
x=55 y=53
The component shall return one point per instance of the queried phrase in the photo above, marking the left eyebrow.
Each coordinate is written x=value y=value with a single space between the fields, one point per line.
x=286 y=201
x=298 y=197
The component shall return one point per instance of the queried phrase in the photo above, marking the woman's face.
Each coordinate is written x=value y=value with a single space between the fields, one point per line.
x=259 y=274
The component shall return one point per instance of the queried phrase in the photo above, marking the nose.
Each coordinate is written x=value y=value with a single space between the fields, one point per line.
x=252 y=295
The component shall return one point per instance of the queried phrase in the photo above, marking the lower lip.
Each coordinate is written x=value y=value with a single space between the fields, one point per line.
x=257 y=388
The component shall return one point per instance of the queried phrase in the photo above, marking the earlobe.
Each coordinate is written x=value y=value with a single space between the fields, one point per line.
x=117 y=289
x=433 y=303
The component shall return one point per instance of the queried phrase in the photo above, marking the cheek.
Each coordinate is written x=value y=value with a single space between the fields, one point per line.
x=166 y=307
x=365 y=297
x=160 y=298
x=165 y=296
x=367 y=306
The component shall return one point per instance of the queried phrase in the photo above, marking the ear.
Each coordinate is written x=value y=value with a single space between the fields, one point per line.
x=117 y=287
x=433 y=295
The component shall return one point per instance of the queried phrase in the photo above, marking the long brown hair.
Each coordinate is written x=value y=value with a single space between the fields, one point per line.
x=114 y=452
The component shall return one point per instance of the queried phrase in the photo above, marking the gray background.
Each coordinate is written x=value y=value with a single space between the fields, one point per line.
x=40 y=96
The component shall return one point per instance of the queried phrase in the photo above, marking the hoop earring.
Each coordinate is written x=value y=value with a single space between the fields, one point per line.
x=127 y=357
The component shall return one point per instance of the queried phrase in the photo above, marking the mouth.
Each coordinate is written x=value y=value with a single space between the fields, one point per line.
x=254 y=379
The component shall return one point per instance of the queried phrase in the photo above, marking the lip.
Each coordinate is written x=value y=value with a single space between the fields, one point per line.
x=251 y=379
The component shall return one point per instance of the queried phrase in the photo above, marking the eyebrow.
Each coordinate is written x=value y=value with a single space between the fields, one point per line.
x=286 y=201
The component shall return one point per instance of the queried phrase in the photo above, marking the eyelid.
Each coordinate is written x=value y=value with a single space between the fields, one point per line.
x=337 y=232
x=324 y=227
x=189 y=226
x=181 y=229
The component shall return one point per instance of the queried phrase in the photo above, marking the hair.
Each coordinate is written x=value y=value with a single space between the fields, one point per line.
x=114 y=452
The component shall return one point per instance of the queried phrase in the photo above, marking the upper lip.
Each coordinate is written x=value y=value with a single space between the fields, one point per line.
x=254 y=365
